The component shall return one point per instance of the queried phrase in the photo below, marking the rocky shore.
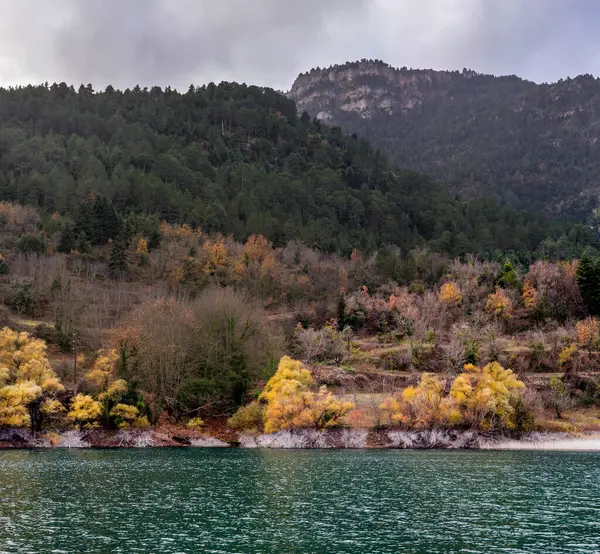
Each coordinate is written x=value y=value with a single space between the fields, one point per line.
x=299 y=439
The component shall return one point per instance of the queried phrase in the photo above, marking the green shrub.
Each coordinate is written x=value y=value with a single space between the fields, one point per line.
x=22 y=301
x=32 y=244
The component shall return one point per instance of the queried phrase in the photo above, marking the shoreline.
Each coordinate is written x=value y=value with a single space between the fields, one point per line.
x=390 y=439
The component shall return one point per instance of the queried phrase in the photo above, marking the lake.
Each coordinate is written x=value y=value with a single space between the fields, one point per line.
x=261 y=501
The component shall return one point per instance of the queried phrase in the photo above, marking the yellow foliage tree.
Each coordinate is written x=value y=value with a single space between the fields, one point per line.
x=27 y=380
x=85 y=411
x=142 y=251
x=290 y=402
x=103 y=378
x=14 y=402
x=392 y=410
x=485 y=396
x=450 y=294
x=480 y=397
x=427 y=405
x=126 y=416
x=499 y=304
x=423 y=406
x=52 y=409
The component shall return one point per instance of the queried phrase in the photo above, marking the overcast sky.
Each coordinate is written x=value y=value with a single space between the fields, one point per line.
x=268 y=42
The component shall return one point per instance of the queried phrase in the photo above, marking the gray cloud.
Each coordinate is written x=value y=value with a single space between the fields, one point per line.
x=178 y=42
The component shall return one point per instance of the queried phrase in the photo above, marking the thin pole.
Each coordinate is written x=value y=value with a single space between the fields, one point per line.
x=75 y=360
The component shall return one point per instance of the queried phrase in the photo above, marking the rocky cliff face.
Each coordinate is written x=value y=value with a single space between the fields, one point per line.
x=368 y=88
x=531 y=146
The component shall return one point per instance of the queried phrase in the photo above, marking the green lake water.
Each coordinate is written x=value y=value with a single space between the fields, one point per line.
x=250 y=501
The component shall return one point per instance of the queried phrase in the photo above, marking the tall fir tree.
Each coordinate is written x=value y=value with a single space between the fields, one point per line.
x=588 y=279
x=67 y=239
x=117 y=260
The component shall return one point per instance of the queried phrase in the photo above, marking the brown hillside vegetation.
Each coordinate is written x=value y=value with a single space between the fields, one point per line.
x=197 y=325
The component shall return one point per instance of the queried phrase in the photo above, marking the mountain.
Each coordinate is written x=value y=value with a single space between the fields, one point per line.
x=234 y=159
x=530 y=146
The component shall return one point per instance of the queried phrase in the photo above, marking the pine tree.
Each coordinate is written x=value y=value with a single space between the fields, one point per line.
x=67 y=240
x=99 y=221
x=117 y=261
x=588 y=279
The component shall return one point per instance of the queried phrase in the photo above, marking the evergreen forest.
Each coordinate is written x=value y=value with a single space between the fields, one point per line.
x=238 y=160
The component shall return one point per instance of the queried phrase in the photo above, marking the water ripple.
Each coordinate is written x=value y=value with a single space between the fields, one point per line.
x=260 y=501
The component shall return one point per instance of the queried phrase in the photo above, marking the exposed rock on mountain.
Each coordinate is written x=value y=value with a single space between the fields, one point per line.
x=531 y=146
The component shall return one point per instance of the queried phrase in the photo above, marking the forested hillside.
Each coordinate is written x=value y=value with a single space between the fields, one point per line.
x=238 y=160
x=529 y=146
x=181 y=244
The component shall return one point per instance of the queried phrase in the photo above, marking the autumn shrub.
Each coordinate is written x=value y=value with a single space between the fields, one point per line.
x=291 y=401
x=124 y=415
x=85 y=412
x=423 y=406
x=360 y=419
x=14 y=402
x=53 y=411
x=248 y=418
x=500 y=305
x=588 y=333
x=195 y=423
x=566 y=357
x=450 y=295
x=483 y=398
x=109 y=388
x=486 y=395
x=141 y=251
x=530 y=298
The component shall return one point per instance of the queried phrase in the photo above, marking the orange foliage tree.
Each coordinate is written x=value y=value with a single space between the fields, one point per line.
x=588 y=333
x=530 y=297
x=499 y=304
x=450 y=294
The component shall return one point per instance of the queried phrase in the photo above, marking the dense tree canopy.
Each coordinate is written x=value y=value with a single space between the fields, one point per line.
x=234 y=159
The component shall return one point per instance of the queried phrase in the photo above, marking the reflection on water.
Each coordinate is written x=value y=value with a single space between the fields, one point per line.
x=255 y=501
